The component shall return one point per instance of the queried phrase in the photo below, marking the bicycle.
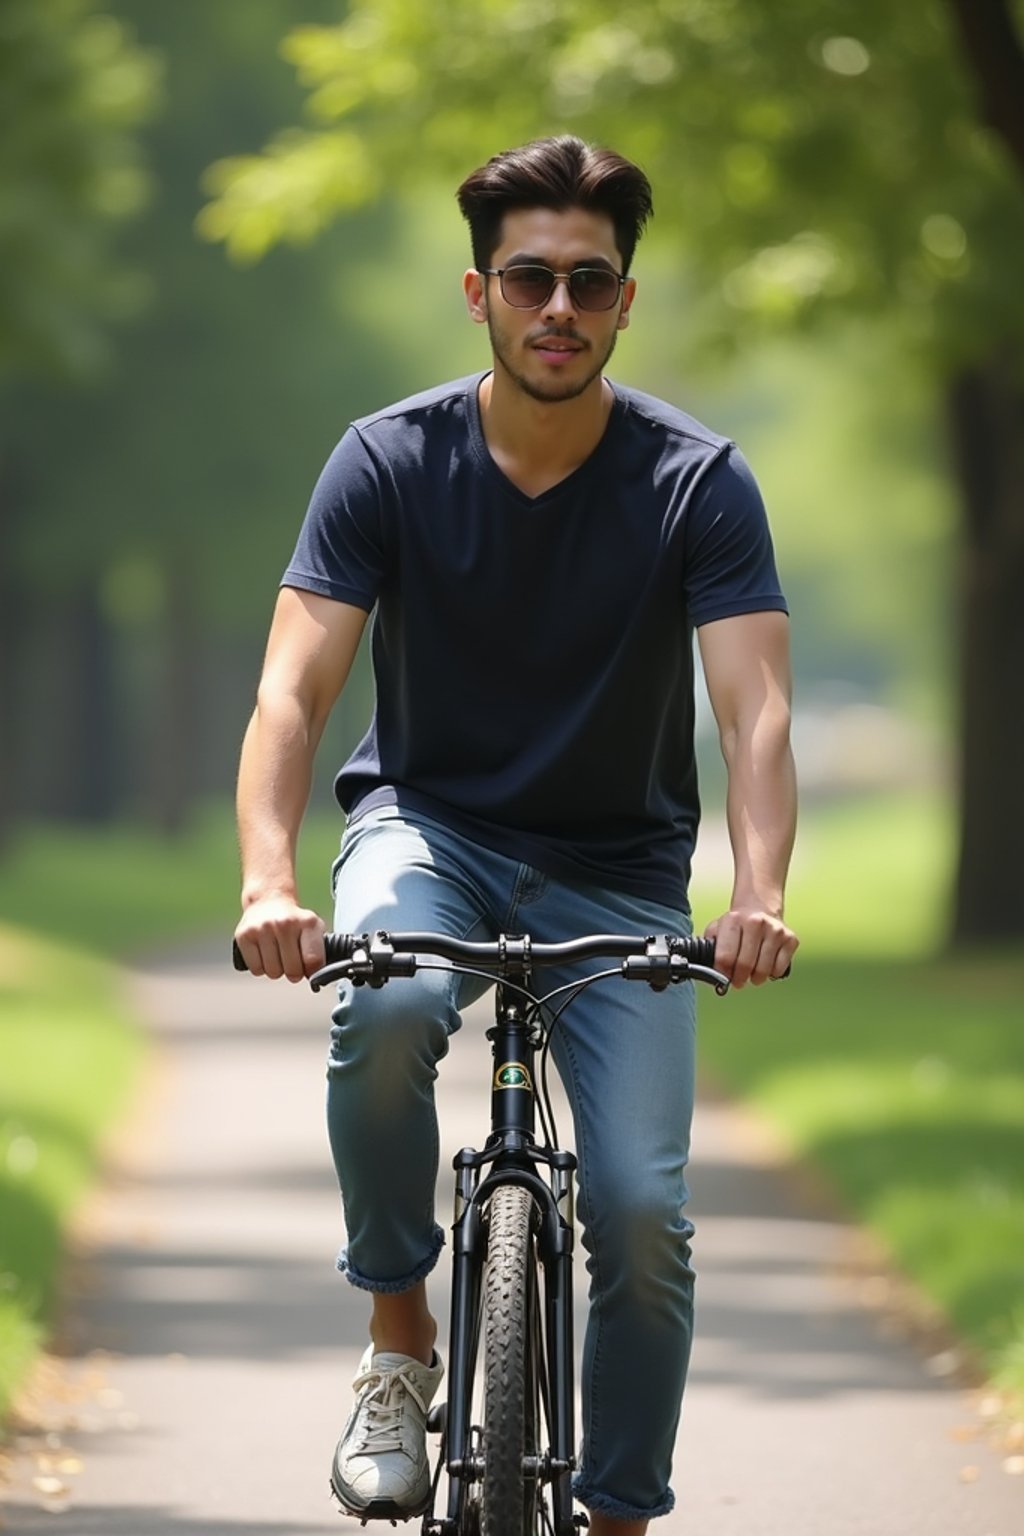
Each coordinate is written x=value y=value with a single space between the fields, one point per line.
x=507 y=1433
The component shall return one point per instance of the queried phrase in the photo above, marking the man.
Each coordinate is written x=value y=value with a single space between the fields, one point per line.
x=538 y=546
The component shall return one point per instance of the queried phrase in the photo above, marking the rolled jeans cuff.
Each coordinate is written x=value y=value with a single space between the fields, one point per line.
x=392 y=1287
x=602 y=1504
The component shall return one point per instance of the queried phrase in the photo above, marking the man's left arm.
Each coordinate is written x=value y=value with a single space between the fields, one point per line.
x=747 y=669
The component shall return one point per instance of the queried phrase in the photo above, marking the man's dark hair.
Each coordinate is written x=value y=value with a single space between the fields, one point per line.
x=557 y=173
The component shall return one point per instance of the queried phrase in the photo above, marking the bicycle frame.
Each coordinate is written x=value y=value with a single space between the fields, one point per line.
x=511 y=1156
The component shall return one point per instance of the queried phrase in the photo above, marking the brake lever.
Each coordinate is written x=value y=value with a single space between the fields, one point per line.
x=661 y=970
x=715 y=979
x=365 y=970
x=338 y=970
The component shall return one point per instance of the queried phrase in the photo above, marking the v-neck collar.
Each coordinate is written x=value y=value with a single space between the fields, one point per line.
x=563 y=486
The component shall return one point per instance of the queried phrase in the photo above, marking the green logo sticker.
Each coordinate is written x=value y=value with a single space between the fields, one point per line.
x=513 y=1075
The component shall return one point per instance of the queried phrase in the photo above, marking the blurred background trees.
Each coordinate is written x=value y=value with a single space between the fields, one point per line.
x=833 y=278
x=74 y=90
x=156 y=494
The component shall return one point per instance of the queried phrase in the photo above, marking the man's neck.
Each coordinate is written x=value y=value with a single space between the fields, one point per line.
x=537 y=443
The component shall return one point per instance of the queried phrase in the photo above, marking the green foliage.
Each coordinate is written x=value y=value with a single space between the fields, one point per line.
x=899 y=1075
x=74 y=89
x=70 y=1058
x=71 y=1055
x=862 y=508
x=201 y=445
x=125 y=888
x=904 y=1082
x=181 y=474
x=804 y=160
x=869 y=878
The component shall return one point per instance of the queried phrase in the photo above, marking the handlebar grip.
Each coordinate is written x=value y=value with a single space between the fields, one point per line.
x=698 y=951
x=340 y=946
x=237 y=958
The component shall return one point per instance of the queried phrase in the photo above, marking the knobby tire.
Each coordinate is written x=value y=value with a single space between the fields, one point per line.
x=511 y=1368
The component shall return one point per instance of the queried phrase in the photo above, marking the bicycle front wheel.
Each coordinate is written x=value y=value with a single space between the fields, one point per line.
x=513 y=1373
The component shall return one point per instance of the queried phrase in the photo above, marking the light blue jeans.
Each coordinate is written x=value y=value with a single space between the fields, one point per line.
x=625 y=1055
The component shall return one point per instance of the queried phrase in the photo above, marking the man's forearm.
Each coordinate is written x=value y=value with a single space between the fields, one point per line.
x=274 y=778
x=312 y=643
x=746 y=663
x=761 y=812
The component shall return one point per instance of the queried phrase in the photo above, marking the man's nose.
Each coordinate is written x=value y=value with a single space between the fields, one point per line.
x=560 y=300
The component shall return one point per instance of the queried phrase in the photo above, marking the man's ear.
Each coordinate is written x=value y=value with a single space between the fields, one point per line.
x=475 y=288
x=628 y=295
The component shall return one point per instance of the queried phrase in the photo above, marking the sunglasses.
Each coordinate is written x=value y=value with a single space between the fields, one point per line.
x=529 y=287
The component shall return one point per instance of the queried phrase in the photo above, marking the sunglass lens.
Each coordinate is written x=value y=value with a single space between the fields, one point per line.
x=593 y=288
x=526 y=287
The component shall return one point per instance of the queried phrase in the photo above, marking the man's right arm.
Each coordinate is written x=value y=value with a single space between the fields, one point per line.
x=313 y=641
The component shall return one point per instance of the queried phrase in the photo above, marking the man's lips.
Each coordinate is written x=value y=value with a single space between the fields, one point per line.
x=557 y=346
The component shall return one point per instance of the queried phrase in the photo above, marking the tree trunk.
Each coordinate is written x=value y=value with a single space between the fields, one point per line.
x=88 y=786
x=10 y=640
x=988 y=32
x=174 y=779
x=986 y=417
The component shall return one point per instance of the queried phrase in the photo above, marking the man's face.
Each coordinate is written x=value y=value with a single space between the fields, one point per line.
x=556 y=352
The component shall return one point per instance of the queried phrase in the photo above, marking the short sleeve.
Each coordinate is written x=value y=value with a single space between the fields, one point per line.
x=340 y=550
x=730 y=561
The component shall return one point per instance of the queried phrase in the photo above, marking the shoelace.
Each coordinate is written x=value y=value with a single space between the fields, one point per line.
x=381 y=1408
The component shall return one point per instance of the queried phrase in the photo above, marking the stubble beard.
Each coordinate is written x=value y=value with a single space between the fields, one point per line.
x=555 y=393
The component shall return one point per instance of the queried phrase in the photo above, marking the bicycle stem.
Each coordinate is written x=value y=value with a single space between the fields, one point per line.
x=513 y=1102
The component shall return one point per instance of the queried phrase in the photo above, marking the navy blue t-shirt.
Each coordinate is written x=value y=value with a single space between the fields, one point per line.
x=533 y=656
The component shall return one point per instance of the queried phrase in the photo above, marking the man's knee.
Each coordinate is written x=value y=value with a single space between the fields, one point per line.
x=405 y=1023
x=638 y=1234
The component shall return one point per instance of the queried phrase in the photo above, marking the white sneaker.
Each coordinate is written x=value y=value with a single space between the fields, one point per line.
x=380 y=1470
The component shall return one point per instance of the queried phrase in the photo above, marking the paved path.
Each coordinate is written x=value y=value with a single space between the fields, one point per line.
x=215 y=1342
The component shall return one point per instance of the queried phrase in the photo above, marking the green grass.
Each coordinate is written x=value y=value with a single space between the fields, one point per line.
x=899 y=1075
x=870 y=879
x=120 y=889
x=70 y=1054
x=73 y=901
x=905 y=1082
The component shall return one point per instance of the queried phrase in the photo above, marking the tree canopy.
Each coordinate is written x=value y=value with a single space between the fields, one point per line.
x=146 y=514
x=807 y=159
x=74 y=90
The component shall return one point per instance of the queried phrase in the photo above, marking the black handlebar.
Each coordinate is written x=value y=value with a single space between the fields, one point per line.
x=599 y=946
x=375 y=958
